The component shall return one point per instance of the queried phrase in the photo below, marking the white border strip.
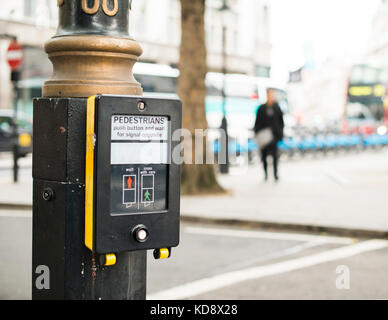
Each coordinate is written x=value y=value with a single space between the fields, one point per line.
x=267 y=235
x=11 y=213
x=202 y=286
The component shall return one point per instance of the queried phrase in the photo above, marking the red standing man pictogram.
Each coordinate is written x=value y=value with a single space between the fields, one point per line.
x=129 y=181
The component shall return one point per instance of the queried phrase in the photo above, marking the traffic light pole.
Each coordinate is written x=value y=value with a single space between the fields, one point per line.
x=92 y=53
x=15 y=75
x=224 y=148
x=224 y=167
x=14 y=62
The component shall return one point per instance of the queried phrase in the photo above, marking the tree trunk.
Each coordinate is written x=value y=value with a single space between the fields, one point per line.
x=196 y=178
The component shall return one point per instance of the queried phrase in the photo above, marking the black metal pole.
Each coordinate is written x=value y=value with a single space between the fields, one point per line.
x=89 y=38
x=224 y=167
x=15 y=131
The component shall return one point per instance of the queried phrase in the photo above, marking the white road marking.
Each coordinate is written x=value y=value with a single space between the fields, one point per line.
x=341 y=180
x=275 y=255
x=202 y=286
x=267 y=235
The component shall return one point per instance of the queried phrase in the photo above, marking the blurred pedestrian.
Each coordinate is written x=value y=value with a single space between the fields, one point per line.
x=268 y=128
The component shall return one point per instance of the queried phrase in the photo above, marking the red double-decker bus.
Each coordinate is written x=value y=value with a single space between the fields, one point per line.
x=366 y=102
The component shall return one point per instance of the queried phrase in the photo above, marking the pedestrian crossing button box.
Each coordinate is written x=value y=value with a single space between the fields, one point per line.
x=132 y=191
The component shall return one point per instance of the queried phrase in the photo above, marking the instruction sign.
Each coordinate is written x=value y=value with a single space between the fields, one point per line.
x=140 y=151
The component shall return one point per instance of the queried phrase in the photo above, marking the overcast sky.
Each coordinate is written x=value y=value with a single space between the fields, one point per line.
x=322 y=28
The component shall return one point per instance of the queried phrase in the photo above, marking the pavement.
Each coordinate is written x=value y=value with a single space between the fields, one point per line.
x=6 y=161
x=343 y=194
x=18 y=195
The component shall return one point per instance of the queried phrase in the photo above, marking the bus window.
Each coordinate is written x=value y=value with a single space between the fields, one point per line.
x=157 y=84
x=366 y=89
x=370 y=75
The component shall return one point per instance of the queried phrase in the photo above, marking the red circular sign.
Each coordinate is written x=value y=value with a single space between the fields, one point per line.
x=14 y=55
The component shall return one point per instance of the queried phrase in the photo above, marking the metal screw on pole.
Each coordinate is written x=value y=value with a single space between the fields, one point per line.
x=141 y=106
x=48 y=194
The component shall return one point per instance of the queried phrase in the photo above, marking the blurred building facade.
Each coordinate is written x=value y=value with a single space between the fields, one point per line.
x=378 y=45
x=155 y=24
x=157 y=27
x=318 y=96
x=321 y=93
x=32 y=22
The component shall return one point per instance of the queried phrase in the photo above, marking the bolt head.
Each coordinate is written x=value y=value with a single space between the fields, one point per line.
x=141 y=106
x=48 y=194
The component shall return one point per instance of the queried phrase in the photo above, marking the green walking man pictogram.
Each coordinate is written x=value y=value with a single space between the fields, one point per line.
x=147 y=196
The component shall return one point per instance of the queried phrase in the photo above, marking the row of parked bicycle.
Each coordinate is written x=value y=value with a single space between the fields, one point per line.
x=319 y=143
x=332 y=143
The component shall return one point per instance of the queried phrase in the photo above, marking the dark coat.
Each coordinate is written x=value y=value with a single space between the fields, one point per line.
x=270 y=117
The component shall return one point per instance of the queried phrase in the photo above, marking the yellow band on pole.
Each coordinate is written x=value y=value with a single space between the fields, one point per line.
x=89 y=171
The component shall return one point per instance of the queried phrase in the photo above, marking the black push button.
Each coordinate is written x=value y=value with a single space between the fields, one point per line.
x=141 y=233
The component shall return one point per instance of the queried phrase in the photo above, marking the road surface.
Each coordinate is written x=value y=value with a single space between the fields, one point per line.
x=214 y=262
